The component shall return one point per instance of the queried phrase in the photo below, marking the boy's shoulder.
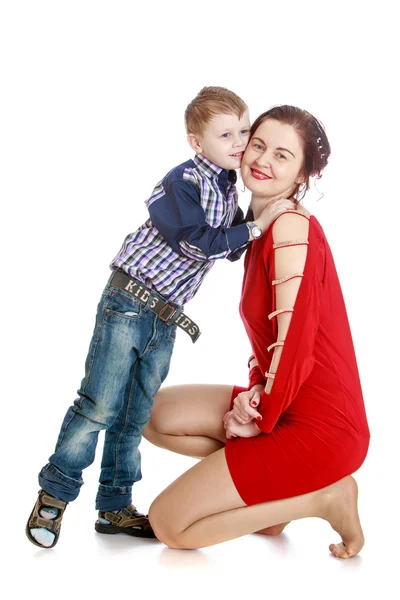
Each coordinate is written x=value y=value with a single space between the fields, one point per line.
x=186 y=171
x=182 y=174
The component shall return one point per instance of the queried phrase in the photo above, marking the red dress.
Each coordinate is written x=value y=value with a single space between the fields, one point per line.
x=314 y=425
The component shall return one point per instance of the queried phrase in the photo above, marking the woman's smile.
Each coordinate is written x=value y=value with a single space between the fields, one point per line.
x=259 y=174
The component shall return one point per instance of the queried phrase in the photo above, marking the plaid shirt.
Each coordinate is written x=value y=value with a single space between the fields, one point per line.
x=191 y=212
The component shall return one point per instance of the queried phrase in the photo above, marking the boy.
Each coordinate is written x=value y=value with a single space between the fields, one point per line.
x=194 y=220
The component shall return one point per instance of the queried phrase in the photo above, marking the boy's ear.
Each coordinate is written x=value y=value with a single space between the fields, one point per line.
x=194 y=143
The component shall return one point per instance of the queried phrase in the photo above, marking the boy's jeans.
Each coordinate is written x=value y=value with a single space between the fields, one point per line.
x=128 y=360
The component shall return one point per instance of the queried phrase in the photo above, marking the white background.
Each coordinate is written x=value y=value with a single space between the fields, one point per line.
x=92 y=102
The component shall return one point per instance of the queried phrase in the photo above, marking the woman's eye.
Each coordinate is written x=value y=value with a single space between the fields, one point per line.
x=258 y=147
x=281 y=156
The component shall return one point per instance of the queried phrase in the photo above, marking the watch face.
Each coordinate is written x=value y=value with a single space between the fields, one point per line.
x=257 y=232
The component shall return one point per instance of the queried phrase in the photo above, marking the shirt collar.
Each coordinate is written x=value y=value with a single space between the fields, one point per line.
x=206 y=166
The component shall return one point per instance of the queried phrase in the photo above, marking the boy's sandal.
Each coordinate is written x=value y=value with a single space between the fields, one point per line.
x=36 y=520
x=128 y=520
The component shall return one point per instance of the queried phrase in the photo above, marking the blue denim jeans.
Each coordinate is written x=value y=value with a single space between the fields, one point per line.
x=128 y=360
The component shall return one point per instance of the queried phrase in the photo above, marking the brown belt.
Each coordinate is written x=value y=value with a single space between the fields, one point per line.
x=164 y=311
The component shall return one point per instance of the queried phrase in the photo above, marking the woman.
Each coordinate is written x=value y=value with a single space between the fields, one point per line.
x=284 y=448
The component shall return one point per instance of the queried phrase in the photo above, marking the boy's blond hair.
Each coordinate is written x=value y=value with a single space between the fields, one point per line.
x=211 y=101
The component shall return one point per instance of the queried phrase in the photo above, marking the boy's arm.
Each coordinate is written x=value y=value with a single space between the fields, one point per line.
x=238 y=219
x=181 y=220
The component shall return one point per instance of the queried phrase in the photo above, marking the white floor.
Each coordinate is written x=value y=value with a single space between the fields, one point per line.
x=296 y=564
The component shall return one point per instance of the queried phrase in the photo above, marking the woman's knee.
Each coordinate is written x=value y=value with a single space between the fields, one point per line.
x=162 y=416
x=148 y=432
x=162 y=526
x=191 y=411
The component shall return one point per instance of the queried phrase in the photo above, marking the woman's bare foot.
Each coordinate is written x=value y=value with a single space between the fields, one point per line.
x=274 y=529
x=342 y=514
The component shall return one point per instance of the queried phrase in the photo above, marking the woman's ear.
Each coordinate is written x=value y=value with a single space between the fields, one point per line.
x=194 y=143
x=301 y=178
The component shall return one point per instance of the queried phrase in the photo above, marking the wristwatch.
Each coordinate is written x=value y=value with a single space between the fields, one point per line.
x=254 y=230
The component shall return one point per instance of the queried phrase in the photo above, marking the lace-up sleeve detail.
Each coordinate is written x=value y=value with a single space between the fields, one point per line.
x=294 y=262
x=290 y=243
x=290 y=256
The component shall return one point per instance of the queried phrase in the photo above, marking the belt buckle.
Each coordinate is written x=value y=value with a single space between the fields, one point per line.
x=169 y=316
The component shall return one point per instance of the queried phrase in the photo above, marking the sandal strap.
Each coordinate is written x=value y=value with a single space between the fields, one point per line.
x=127 y=517
x=46 y=500
x=49 y=524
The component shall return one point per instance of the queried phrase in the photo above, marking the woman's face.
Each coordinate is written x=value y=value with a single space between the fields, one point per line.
x=273 y=160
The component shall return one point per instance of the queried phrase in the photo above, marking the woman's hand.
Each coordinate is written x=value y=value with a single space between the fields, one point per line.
x=245 y=404
x=234 y=429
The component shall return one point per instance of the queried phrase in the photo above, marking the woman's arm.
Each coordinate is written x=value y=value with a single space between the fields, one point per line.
x=289 y=263
x=295 y=269
x=256 y=376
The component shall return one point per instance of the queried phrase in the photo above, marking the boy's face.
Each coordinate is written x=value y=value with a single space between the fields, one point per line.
x=223 y=140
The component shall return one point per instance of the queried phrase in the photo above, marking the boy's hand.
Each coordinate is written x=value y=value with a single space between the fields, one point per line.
x=273 y=210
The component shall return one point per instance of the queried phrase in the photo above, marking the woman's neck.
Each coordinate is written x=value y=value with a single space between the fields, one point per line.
x=258 y=203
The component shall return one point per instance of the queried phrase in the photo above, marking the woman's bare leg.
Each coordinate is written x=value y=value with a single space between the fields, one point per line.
x=203 y=507
x=187 y=419
x=274 y=529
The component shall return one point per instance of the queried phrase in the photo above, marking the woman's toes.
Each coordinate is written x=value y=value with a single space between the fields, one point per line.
x=341 y=551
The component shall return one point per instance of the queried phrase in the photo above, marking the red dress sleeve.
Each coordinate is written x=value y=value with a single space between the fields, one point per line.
x=298 y=273
x=255 y=377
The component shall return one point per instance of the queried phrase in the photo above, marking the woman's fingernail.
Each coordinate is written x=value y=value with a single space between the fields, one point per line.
x=254 y=403
x=258 y=418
